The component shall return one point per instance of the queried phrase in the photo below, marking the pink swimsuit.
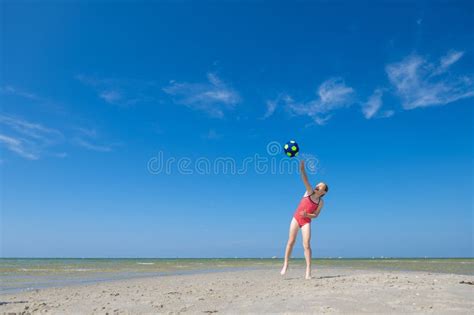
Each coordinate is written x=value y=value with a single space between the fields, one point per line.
x=308 y=205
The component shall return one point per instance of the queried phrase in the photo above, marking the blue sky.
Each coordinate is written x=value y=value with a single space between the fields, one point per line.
x=380 y=94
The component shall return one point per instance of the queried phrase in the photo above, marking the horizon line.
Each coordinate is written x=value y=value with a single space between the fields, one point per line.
x=272 y=258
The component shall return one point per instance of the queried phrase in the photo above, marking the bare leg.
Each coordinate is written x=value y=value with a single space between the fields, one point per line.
x=294 y=227
x=306 y=233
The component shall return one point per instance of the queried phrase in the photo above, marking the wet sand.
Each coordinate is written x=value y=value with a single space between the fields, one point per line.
x=332 y=290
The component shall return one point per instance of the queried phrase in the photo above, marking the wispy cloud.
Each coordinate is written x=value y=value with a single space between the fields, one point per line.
x=372 y=107
x=420 y=83
x=414 y=80
x=88 y=139
x=27 y=139
x=373 y=104
x=12 y=90
x=213 y=97
x=120 y=92
x=450 y=58
x=19 y=147
x=14 y=96
x=112 y=97
x=332 y=94
x=272 y=105
x=212 y=135
x=31 y=130
x=32 y=140
x=91 y=146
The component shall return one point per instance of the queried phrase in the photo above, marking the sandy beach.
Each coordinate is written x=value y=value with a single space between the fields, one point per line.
x=332 y=290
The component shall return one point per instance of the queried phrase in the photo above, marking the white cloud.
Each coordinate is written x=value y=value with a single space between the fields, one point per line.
x=12 y=90
x=31 y=130
x=417 y=82
x=32 y=140
x=212 y=135
x=420 y=84
x=271 y=107
x=332 y=94
x=28 y=140
x=387 y=113
x=87 y=144
x=372 y=108
x=446 y=61
x=89 y=132
x=373 y=104
x=111 y=97
x=87 y=139
x=19 y=147
x=322 y=120
x=120 y=92
x=213 y=97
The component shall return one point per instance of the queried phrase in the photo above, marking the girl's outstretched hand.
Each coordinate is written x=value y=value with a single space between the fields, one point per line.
x=304 y=177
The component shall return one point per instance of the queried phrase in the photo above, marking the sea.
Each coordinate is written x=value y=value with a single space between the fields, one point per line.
x=23 y=274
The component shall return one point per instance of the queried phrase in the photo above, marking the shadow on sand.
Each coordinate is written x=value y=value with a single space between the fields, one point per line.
x=316 y=278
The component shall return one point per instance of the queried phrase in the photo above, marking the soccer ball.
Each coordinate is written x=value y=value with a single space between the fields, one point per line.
x=291 y=148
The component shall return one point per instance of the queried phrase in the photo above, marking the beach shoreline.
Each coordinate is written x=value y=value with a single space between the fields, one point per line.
x=332 y=290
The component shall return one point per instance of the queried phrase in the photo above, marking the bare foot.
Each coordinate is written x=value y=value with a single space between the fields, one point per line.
x=284 y=269
x=308 y=277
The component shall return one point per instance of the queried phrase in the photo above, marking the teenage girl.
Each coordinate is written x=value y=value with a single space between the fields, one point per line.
x=309 y=208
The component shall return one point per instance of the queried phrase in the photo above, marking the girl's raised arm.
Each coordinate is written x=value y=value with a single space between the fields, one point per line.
x=304 y=177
